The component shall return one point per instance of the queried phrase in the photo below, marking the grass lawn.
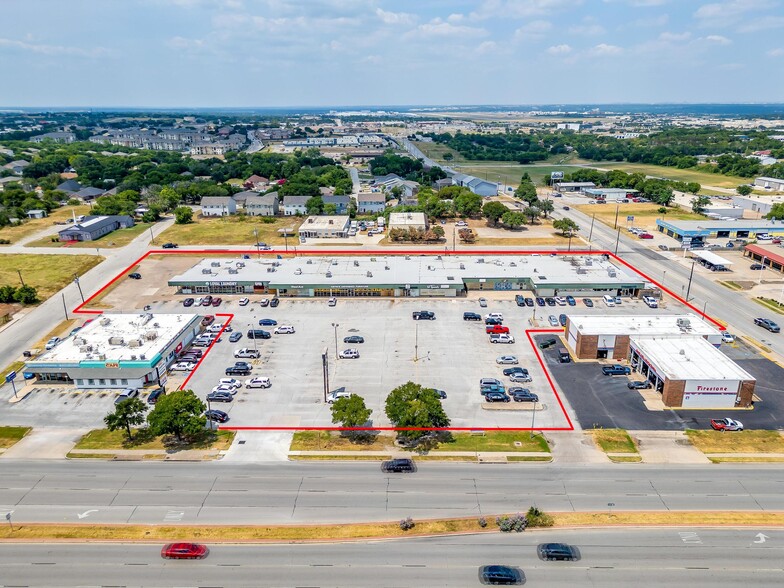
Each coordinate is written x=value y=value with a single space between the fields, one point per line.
x=614 y=441
x=105 y=439
x=118 y=238
x=10 y=435
x=673 y=173
x=46 y=273
x=737 y=441
x=233 y=230
x=555 y=239
x=334 y=441
x=511 y=441
x=644 y=214
x=31 y=226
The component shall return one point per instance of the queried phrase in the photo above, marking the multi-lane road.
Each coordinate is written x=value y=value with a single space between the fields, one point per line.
x=283 y=493
x=646 y=557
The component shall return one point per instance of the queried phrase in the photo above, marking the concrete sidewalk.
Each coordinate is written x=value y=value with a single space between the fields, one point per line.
x=45 y=444
x=667 y=447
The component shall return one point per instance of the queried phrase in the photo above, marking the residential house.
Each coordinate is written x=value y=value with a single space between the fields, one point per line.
x=442 y=183
x=9 y=180
x=36 y=213
x=293 y=205
x=476 y=185
x=94 y=227
x=256 y=182
x=218 y=206
x=266 y=205
x=57 y=137
x=388 y=183
x=371 y=202
x=89 y=193
x=17 y=166
x=241 y=197
x=341 y=202
x=69 y=186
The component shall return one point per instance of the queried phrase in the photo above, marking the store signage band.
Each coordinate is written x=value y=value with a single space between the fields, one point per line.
x=111 y=365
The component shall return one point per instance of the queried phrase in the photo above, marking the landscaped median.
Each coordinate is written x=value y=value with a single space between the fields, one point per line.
x=472 y=446
x=9 y=436
x=739 y=446
x=364 y=531
x=103 y=444
x=617 y=444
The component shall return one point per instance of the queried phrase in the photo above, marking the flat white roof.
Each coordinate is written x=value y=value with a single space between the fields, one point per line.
x=407 y=218
x=317 y=223
x=648 y=324
x=120 y=337
x=711 y=257
x=688 y=358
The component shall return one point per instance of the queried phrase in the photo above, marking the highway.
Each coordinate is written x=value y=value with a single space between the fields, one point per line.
x=641 y=557
x=293 y=492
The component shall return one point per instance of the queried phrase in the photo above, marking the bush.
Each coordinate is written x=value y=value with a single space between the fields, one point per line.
x=482 y=522
x=406 y=524
x=662 y=210
x=538 y=518
x=516 y=523
x=268 y=220
x=5 y=241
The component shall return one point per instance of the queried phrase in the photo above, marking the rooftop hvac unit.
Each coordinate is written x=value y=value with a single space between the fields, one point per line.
x=145 y=318
x=480 y=260
x=240 y=264
x=142 y=356
x=408 y=257
x=611 y=273
x=215 y=264
x=512 y=264
x=589 y=261
x=270 y=269
x=370 y=274
x=386 y=267
x=297 y=272
x=356 y=263
x=581 y=271
x=102 y=357
x=157 y=325
x=309 y=261
x=438 y=257
x=462 y=266
x=233 y=271
x=334 y=262
x=135 y=343
x=105 y=321
x=206 y=271
x=151 y=335
x=79 y=341
x=133 y=358
x=329 y=274
x=116 y=341
x=86 y=348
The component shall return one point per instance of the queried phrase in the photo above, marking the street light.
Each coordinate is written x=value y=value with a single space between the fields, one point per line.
x=76 y=280
x=152 y=236
x=256 y=234
x=335 y=326
x=209 y=411
x=691 y=275
x=251 y=328
x=762 y=267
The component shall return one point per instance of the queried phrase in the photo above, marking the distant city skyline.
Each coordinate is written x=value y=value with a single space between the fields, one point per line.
x=319 y=53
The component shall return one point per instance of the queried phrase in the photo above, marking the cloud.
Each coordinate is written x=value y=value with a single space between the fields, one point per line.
x=668 y=37
x=722 y=14
x=639 y=3
x=718 y=39
x=603 y=49
x=439 y=28
x=455 y=18
x=559 y=50
x=395 y=18
x=536 y=29
x=778 y=52
x=521 y=8
x=42 y=49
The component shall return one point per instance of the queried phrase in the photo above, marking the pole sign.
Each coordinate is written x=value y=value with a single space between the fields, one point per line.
x=10 y=377
x=629 y=218
x=556 y=175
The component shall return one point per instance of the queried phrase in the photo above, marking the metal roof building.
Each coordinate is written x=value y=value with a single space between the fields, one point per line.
x=698 y=231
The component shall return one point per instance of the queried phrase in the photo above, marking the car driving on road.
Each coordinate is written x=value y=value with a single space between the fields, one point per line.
x=767 y=324
x=184 y=551
x=557 y=551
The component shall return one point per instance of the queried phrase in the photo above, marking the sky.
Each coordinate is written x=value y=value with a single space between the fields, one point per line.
x=246 y=53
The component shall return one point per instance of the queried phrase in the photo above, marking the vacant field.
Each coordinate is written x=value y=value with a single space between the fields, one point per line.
x=644 y=214
x=29 y=227
x=673 y=173
x=230 y=231
x=46 y=273
x=738 y=441
x=118 y=238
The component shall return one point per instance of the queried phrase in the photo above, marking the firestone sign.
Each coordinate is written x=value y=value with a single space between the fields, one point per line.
x=711 y=387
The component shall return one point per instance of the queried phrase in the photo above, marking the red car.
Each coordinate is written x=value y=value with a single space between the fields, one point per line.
x=217 y=301
x=184 y=551
x=646 y=236
x=208 y=320
x=726 y=425
x=206 y=301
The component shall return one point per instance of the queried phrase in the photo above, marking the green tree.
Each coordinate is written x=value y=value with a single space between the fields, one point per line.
x=513 y=219
x=439 y=232
x=699 y=203
x=526 y=191
x=744 y=189
x=693 y=187
x=26 y=295
x=126 y=414
x=448 y=156
x=183 y=215
x=468 y=204
x=533 y=212
x=493 y=211
x=776 y=212
x=411 y=405
x=350 y=411
x=566 y=225
x=546 y=206
x=178 y=413
x=314 y=205
x=330 y=208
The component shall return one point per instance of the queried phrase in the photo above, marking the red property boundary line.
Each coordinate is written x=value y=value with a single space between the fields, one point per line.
x=397 y=252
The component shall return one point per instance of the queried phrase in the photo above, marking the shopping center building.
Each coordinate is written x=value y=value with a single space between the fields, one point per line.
x=118 y=351
x=404 y=276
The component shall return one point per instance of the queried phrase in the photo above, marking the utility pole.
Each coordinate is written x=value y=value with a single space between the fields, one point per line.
x=590 y=233
x=65 y=308
x=691 y=274
x=21 y=279
x=256 y=234
x=152 y=236
x=335 y=326
x=617 y=206
x=78 y=285
x=617 y=239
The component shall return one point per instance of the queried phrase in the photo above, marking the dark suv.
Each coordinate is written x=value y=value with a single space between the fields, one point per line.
x=552 y=551
x=398 y=466
x=520 y=300
x=472 y=316
x=544 y=344
x=500 y=575
x=258 y=334
x=238 y=370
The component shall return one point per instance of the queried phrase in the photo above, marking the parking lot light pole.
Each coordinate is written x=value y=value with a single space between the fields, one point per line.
x=617 y=240
x=533 y=418
x=209 y=409
x=335 y=326
x=251 y=327
x=256 y=235
x=76 y=279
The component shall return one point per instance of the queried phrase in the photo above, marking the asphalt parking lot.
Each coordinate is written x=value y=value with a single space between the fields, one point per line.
x=606 y=402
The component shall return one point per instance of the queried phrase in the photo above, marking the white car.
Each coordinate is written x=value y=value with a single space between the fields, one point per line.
x=553 y=320
x=52 y=343
x=258 y=383
x=333 y=301
x=495 y=315
x=225 y=388
x=214 y=327
x=349 y=354
x=283 y=329
x=230 y=382
x=727 y=337
x=245 y=352
x=244 y=301
x=560 y=301
x=506 y=359
x=182 y=366
x=335 y=394
x=461 y=224
x=198 y=301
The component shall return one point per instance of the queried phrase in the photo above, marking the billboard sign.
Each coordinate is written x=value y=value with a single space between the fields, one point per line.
x=556 y=175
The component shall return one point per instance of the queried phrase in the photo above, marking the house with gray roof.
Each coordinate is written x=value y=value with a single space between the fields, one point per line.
x=69 y=186
x=9 y=180
x=371 y=202
x=266 y=205
x=341 y=202
x=293 y=205
x=17 y=166
x=57 y=137
x=476 y=185
x=89 y=193
x=241 y=197
x=218 y=206
x=95 y=227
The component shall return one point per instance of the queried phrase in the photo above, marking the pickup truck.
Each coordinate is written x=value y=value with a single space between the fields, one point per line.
x=423 y=315
x=616 y=370
x=489 y=329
